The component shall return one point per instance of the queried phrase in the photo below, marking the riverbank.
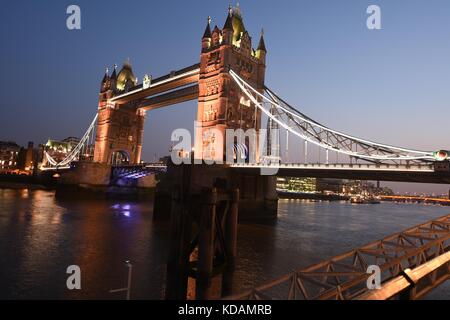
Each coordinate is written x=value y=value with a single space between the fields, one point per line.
x=312 y=196
x=23 y=185
x=21 y=181
x=82 y=191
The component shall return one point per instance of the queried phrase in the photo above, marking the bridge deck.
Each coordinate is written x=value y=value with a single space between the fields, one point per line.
x=420 y=173
x=344 y=277
x=164 y=84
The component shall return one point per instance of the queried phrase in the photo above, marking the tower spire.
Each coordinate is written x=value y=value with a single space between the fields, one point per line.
x=262 y=45
x=106 y=76
x=207 y=33
x=105 y=81
x=229 y=22
x=114 y=73
x=237 y=10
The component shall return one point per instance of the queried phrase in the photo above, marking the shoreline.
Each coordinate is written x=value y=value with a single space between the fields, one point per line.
x=312 y=196
x=24 y=185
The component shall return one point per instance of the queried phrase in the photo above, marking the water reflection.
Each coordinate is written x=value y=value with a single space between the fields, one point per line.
x=123 y=209
x=41 y=236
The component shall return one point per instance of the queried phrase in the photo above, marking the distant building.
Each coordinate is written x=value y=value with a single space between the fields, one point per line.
x=329 y=185
x=73 y=141
x=59 y=149
x=353 y=187
x=295 y=184
x=28 y=158
x=309 y=185
x=365 y=188
x=9 y=155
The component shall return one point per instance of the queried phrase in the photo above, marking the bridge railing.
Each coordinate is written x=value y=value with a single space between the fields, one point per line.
x=414 y=284
x=344 y=277
x=141 y=165
x=362 y=166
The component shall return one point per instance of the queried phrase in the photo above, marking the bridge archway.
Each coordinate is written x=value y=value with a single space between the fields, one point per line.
x=120 y=157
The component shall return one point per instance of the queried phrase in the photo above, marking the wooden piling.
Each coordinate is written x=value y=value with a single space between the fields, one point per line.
x=231 y=224
x=179 y=250
x=206 y=246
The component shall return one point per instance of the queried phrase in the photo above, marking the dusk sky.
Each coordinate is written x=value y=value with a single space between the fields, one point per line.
x=390 y=85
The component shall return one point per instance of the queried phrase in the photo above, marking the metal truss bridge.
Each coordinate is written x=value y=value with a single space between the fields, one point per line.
x=309 y=131
x=356 y=158
x=412 y=263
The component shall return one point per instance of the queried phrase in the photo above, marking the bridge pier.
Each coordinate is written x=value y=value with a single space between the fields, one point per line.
x=203 y=228
x=96 y=179
x=87 y=173
x=258 y=198
x=207 y=199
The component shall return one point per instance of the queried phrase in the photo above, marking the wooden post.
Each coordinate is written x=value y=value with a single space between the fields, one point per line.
x=206 y=247
x=231 y=224
x=410 y=292
x=180 y=230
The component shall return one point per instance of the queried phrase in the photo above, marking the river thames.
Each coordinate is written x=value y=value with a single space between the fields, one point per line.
x=40 y=236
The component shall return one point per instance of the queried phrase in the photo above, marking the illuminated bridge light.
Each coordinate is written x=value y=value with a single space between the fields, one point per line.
x=440 y=155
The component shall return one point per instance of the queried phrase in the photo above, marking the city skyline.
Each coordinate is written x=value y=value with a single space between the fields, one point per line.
x=329 y=65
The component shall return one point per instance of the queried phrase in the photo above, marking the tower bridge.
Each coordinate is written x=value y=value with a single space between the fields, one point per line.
x=229 y=84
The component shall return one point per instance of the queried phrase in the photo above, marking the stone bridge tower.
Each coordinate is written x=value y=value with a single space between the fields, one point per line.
x=119 y=127
x=221 y=105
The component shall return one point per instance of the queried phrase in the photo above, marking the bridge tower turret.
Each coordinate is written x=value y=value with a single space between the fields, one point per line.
x=119 y=127
x=221 y=105
x=261 y=50
x=206 y=40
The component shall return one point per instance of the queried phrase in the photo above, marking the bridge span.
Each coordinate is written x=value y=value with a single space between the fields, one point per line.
x=419 y=173
x=386 y=172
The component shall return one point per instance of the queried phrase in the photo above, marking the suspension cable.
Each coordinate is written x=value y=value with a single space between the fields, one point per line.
x=70 y=157
x=392 y=155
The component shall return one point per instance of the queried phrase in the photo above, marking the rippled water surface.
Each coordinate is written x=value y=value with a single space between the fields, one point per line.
x=40 y=236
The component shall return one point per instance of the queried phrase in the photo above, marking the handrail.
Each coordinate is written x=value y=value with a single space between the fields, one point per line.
x=410 y=279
